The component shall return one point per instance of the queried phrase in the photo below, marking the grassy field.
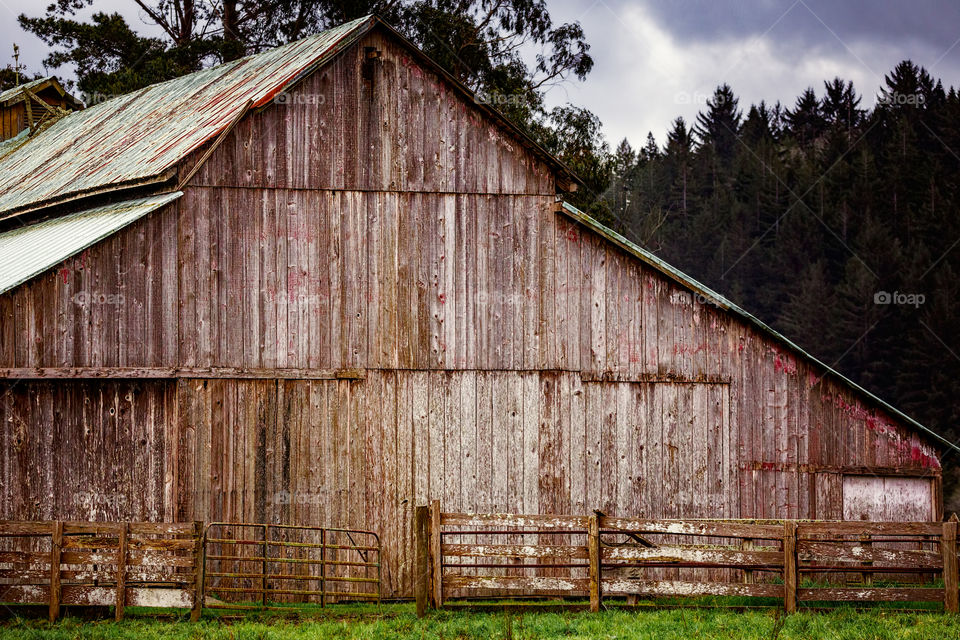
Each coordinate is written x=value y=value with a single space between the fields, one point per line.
x=400 y=621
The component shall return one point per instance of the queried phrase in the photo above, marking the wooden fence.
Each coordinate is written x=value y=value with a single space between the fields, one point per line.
x=484 y=555
x=107 y=564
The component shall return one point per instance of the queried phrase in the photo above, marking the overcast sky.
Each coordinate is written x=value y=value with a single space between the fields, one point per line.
x=655 y=60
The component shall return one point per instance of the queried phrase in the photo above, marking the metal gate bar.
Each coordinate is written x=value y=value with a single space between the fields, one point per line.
x=322 y=569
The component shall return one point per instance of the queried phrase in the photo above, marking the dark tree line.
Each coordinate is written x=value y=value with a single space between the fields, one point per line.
x=808 y=215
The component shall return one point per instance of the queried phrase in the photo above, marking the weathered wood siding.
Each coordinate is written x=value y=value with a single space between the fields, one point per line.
x=384 y=125
x=13 y=120
x=514 y=360
x=79 y=450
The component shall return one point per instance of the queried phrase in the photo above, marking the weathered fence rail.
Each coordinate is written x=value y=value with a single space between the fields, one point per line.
x=479 y=555
x=184 y=565
x=100 y=564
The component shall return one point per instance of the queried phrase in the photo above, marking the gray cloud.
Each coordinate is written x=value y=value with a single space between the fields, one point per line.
x=656 y=60
x=934 y=22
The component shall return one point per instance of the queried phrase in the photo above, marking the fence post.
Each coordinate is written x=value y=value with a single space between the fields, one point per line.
x=323 y=567
x=122 y=572
x=948 y=552
x=790 y=566
x=593 y=551
x=421 y=532
x=56 y=544
x=199 y=578
x=263 y=573
x=436 y=555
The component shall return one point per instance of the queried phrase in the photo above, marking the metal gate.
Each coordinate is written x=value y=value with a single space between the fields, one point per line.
x=254 y=566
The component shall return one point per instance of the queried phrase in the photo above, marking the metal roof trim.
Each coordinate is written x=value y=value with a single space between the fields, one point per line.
x=690 y=283
x=66 y=236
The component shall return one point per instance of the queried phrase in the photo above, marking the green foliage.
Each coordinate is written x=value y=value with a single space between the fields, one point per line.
x=8 y=77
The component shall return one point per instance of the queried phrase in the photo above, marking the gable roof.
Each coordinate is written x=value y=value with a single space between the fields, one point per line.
x=139 y=138
x=18 y=93
x=723 y=303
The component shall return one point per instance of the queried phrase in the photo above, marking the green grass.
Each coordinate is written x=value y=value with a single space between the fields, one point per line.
x=400 y=621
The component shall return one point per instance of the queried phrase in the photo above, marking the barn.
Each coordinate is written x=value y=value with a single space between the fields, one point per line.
x=326 y=283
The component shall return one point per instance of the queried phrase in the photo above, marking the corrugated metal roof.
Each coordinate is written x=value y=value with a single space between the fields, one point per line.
x=31 y=250
x=141 y=135
x=715 y=298
x=15 y=91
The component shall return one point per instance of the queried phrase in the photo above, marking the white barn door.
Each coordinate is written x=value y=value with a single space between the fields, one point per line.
x=886 y=498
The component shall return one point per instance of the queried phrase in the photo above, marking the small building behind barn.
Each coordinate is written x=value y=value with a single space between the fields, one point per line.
x=323 y=284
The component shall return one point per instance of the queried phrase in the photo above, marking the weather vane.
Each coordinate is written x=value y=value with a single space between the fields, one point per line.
x=16 y=64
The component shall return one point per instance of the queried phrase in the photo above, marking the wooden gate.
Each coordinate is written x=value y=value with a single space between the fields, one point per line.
x=254 y=566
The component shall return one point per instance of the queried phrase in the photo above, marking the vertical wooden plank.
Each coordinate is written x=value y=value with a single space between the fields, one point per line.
x=561 y=292
x=625 y=417
x=420 y=427
x=484 y=444
x=593 y=433
x=468 y=442
x=547 y=277
x=437 y=396
x=421 y=581
x=500 y=434
x=579 y=471
x=450 y=427
x=598 y=310
x=790 y=576
x=56 y=545
x=199 y=573
x=948 y=553
x=122 y=572
x=436 y=562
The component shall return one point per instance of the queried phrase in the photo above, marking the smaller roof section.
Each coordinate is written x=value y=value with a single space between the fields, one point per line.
x=31 y=250
x=48 y=87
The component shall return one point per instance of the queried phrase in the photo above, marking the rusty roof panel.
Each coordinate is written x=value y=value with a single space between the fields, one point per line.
x=141 y=135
